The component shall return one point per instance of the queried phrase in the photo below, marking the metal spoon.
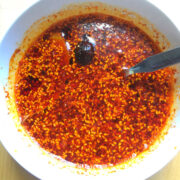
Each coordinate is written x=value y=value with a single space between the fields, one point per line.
x=156 y=62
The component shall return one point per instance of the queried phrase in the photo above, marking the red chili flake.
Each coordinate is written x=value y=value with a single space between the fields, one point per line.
x=92 y=114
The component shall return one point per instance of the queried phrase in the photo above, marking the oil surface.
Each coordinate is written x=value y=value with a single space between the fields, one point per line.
x=74 y=101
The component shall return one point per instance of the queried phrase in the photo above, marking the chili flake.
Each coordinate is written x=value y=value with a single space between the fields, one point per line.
x=92 y=114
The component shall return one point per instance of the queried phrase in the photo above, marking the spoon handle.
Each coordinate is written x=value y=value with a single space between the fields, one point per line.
x=156 y=62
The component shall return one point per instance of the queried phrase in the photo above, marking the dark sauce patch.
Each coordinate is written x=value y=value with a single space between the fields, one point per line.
x=84 y=52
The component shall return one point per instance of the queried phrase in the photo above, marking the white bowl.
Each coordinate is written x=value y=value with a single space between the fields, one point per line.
x=32 y=158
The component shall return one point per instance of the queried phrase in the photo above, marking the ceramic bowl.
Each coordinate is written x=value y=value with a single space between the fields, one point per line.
x=27 y=153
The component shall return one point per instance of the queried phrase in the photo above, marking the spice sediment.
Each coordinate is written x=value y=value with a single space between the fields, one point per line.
x=92 y=114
